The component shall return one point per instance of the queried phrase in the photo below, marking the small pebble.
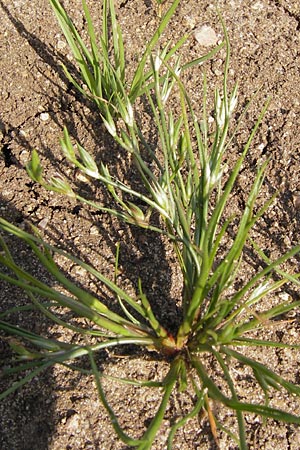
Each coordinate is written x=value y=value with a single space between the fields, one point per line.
x=284 y=296
x=94 y=230
x=43 y=223
x=24 y=157
x=44 y=116
x=79 y=271
x=22 y=133
x=205 y=36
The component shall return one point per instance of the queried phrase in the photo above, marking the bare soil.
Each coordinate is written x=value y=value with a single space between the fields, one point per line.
x=59 y=409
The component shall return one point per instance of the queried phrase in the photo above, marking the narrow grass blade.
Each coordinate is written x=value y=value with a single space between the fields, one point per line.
x=169 y=383
x=230 y=383
x=138 y=78
x=262 y=410
x=33 y=240
x=263 y=370
x=25 y=379
x=180 y=423
x=122 y=435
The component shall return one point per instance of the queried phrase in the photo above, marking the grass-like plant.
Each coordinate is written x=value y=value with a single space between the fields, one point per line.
x=184 y=198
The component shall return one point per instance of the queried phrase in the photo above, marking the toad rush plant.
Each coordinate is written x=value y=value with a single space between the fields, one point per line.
x=187 y=188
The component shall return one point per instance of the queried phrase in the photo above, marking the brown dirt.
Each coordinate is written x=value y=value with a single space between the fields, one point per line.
x=59 y=410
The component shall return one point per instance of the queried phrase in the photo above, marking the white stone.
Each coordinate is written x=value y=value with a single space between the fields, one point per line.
x=44 y=116
x=205 y=36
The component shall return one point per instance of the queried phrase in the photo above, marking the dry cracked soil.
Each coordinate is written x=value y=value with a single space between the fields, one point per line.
x=59 y=409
